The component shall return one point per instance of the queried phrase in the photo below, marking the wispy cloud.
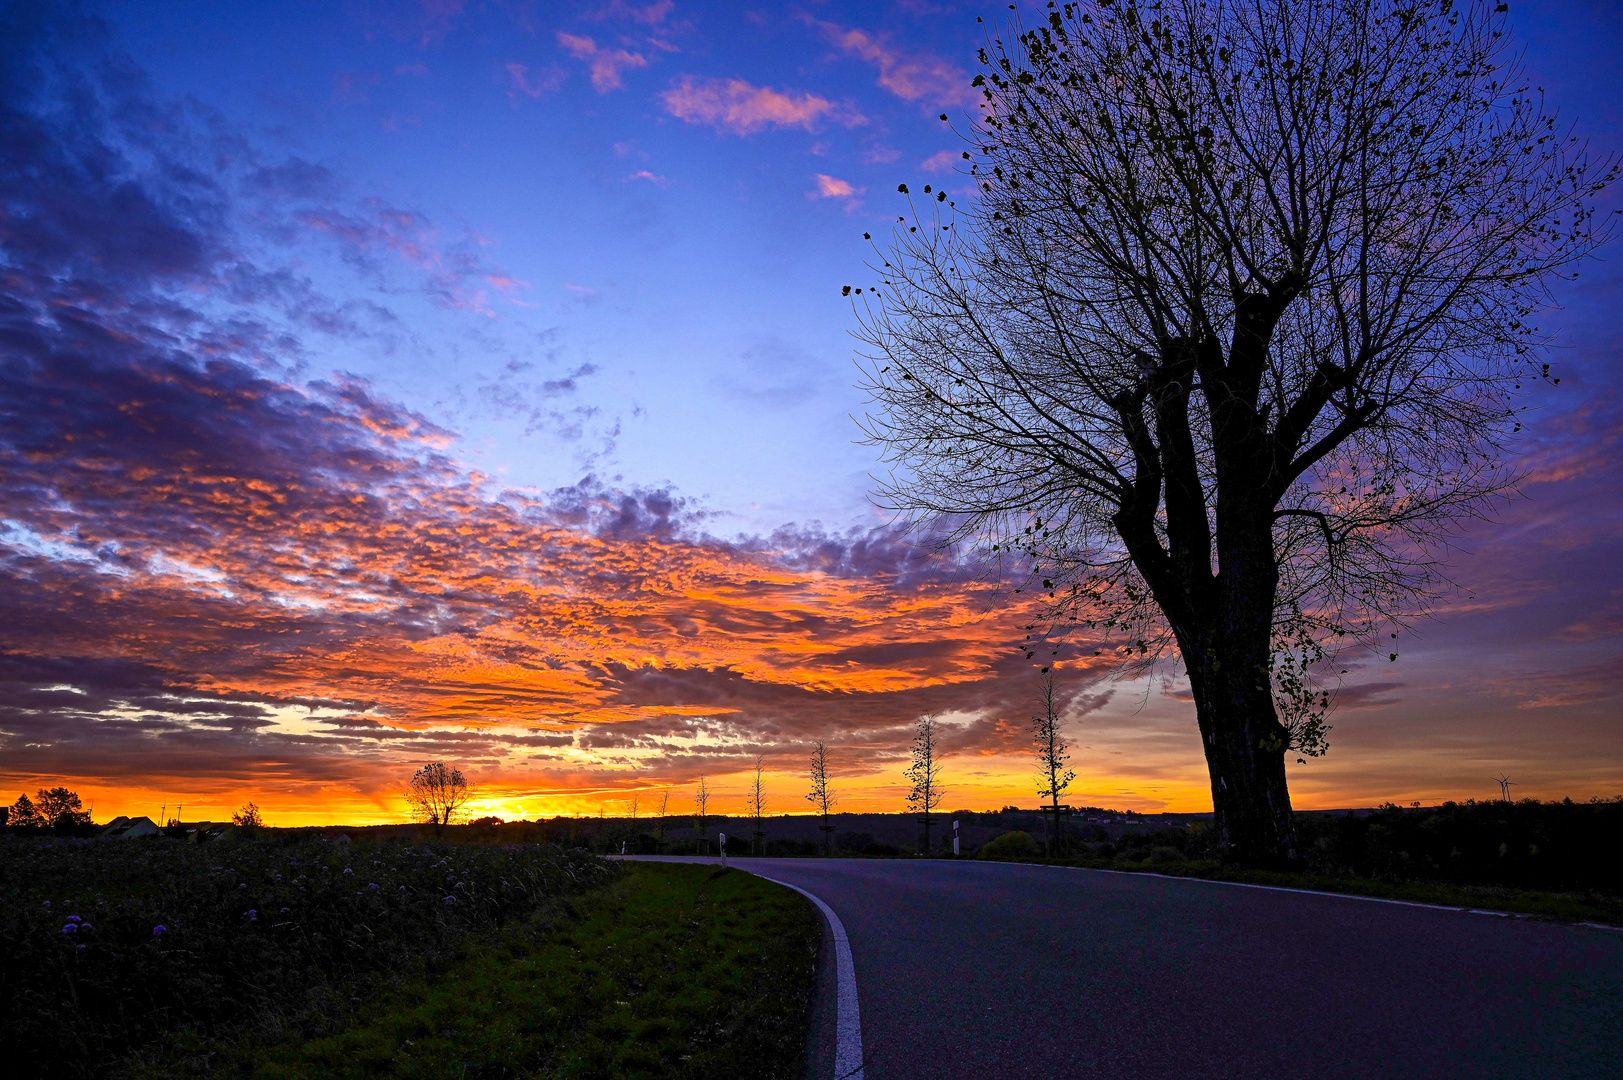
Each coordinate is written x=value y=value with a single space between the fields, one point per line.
x=737 y=107
x=910 y=76
x=533 y=84
x=650 y=14
x=605 y=64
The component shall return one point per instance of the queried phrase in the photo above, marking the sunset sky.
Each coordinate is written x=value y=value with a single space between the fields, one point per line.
x=385 y=382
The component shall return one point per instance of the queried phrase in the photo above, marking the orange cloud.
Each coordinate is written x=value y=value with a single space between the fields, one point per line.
x=739 y=108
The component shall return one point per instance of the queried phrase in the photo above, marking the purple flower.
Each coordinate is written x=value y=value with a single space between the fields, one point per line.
x=74 y=918
x=253 y=914
x=373 y=886
x=450 y=899
x=84 y=926
x=158 y=931
x=70 y=928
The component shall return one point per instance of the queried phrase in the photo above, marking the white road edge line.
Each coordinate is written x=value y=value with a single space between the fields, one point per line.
x=848 y=1019
x=1314 y=892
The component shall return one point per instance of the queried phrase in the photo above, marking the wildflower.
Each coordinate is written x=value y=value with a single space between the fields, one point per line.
x=347 y=870
x=74 y=918
x=450 y=899
x=85 y=926
x=373 y=886
x=284 y=911
x=47 y=903
x=253 y=914
x=70 y=928
x=159 y=931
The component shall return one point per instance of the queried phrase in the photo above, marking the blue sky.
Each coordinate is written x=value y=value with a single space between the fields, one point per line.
x=686 y=263
x=684 y=266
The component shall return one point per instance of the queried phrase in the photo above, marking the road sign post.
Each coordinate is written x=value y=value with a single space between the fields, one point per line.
x=955 y=838
x=724 y=849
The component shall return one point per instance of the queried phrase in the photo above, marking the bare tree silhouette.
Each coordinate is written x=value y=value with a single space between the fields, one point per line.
x=925 y=772
x=1053 y=753
x=1230 y=340
x=822 y=795
x=756 y=802
x=437 y=793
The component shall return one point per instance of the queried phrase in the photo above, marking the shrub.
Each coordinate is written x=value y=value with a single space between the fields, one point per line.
x=1011 y=845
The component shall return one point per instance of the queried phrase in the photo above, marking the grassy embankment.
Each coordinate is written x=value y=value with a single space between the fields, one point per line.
x=676 y=970
x=290 y=956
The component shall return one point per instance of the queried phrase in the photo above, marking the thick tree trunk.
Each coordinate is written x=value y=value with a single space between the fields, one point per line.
x=1245 y=756
x=1227 y=659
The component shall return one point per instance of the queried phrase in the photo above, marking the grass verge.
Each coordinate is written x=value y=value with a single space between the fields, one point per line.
x=1560 y=907
x=673 y=971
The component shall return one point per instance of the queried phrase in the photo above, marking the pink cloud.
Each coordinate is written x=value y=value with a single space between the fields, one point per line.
x=940 y=161
x=735 y=106
x=606 y=64
x=538 y=84
x=505 y=283
x=651 y=177
x=911 y=77
x=832 y=187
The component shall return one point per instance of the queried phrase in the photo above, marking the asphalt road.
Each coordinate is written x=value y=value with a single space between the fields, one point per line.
x=990 y=970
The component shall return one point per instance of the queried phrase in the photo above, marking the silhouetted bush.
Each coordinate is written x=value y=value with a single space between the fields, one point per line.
x=1011 y=845
x=1528 y=844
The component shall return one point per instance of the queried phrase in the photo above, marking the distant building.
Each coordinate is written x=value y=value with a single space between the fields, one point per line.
x=126 y=828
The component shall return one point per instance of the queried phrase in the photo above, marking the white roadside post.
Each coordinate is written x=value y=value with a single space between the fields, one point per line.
x=724 y=849
x=955 y=838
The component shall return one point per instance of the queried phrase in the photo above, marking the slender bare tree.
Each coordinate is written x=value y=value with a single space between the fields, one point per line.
x=756 y=802
x=822 y=795
x=925 y=772
x=437 y=793
x=701 y=812
x=1228 y=343
x=664 y=812
x=1053 y=753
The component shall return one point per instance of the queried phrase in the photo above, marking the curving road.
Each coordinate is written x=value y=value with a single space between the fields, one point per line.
x=980 y=970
